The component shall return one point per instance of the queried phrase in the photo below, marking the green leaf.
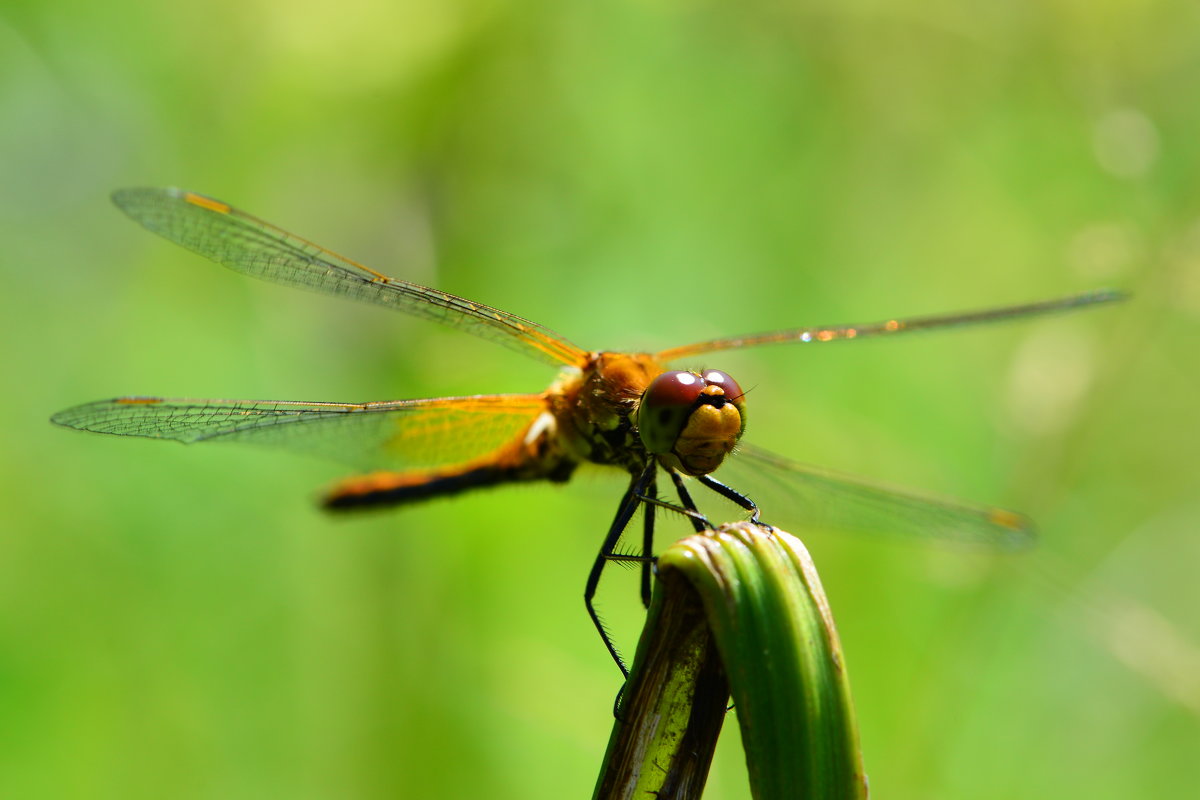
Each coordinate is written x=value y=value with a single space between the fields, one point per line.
x=739 y=609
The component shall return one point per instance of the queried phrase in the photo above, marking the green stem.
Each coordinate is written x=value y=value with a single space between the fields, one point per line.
x=742 y=604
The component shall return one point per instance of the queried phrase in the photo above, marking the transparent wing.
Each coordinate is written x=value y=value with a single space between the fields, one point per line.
x=833 y=333
x=800 y=497
x=396 y=435
x=248 y=245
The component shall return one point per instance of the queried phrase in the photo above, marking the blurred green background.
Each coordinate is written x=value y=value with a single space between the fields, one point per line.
x=182 y=622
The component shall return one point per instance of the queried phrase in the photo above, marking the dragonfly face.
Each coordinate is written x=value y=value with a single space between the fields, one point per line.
x=692 y=420
x=623 y=410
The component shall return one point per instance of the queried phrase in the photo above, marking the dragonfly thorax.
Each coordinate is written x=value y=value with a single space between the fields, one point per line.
x=595 y=407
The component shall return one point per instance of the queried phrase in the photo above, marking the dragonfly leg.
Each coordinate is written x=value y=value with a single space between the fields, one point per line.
x=731 y=494
x=629 y=503
x=648 y=539
x=699 y=521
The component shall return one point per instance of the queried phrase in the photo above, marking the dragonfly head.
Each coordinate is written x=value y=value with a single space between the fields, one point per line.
x=691 y=420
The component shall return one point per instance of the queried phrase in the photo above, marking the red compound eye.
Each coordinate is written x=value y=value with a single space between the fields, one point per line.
x=665 y=408
x=733 y=392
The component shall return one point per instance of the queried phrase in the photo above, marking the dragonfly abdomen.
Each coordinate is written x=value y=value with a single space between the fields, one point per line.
x=382 y=489
x=534 y=455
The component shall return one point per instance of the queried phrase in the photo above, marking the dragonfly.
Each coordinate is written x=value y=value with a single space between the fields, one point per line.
x=631 y=412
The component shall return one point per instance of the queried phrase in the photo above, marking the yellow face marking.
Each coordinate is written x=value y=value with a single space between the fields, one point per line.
x=206 y=202
x=707 y=438
x=709 y=423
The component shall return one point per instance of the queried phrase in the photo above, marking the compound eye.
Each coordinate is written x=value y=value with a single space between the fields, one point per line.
x=733 y=392
x=665 y=408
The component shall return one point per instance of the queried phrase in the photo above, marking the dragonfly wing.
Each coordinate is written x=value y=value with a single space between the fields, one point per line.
x=789 y=493
x=836 y=333
x=396 y=435
x=248 y=245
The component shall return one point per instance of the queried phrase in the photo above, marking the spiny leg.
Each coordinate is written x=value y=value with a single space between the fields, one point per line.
x=698 y=520
x=732 y=495
x=628 y=505
x=648 y=538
